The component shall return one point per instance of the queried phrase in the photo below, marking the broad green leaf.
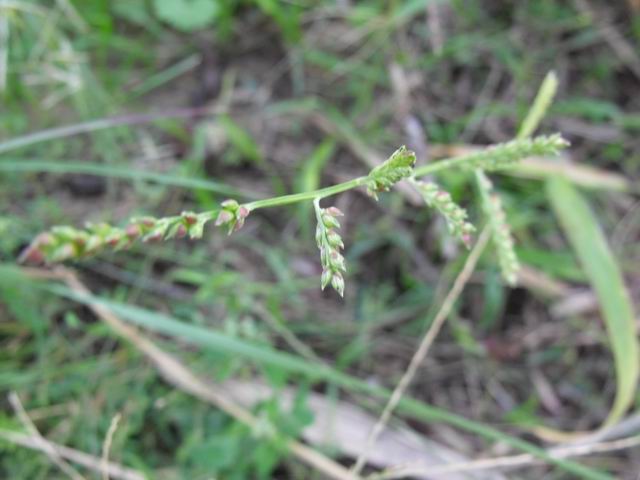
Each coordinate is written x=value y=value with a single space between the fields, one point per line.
x=587 y=239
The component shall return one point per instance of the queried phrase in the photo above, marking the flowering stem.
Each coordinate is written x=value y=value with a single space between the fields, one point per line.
x=304 y=196
x=499 y=156
x=63 y=243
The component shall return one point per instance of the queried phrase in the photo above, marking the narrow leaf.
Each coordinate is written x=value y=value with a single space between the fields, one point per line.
x=587 y=239
x=28 y=165
x=540 y=105
x=265 y=354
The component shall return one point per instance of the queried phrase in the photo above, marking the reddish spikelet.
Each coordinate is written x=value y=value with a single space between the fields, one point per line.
x=223 y=218
x=153 y=238
x=189 y=218
x=133 y=231
x=334 y=212
x=148 y=222
x=114 y=240
x=181 y=232
x=34 y=253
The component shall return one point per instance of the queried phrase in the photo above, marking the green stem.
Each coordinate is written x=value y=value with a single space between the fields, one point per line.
x=495 y=157
x=396 y=168
x=357 y=182
x=443 y=165
x=311 y=195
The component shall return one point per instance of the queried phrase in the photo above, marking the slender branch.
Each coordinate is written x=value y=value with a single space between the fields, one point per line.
x=501 y=156
x=106 y=446
x=497 y=463
x=83 y=459
x=63 y=243
x=423 y=349
x=181 y=377
x=306 y=196
x=496 y=157
x=41 y=442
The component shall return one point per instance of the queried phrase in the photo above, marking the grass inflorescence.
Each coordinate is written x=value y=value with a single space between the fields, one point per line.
x=64 y=243
x=166 y=336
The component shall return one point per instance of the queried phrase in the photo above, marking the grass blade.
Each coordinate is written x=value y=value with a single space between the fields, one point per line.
x=265 y=354
x=99 y=124
x=540 y=105
x=588 y=241
x=30 y=166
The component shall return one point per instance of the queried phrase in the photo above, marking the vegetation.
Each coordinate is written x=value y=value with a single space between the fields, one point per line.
x=485 y=303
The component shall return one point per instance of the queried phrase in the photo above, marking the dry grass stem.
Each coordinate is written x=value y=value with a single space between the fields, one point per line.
x=425 y=344
x=42 y=444
x=513 y=461
x=90 y=462
x=106 y=447
x=178 y=375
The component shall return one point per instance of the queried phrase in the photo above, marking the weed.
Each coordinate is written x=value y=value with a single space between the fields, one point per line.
x=250 y=100
x=63 y=243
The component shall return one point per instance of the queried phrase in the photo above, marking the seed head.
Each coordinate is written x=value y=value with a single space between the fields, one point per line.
x=189 y=218
x=326 y=278
x=398 y=166
x=455 y=215
x=337 y=282
x=133 y=231
x=232 y=215
x=330 y=243
x=334 y=212
x=224 y=217
x=501 y=233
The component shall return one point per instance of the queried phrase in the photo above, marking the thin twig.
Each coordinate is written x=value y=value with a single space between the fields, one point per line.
x=177 y=374
x=106 y=446
x=14 y=399
x=91 y=462
x=511 y=461
x=424 y=346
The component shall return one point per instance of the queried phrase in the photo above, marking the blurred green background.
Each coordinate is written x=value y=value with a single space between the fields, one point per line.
x=257 y=98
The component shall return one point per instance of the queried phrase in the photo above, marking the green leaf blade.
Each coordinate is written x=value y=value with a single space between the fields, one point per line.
x=265 y=354
x=587 y=239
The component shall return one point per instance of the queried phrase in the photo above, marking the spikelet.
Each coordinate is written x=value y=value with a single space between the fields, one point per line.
x=500 y=230
x=330 y=243
x=69 y=243
x=397 y=167
x=505 y=155
x=232 y=215
x=456 y=216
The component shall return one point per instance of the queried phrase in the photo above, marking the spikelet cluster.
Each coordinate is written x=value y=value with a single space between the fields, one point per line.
x=456 y=216
x=232 y=215
x=330 y=243
x=397 y=167
x=500 y=230
x=69 y=243
x=504 y=155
